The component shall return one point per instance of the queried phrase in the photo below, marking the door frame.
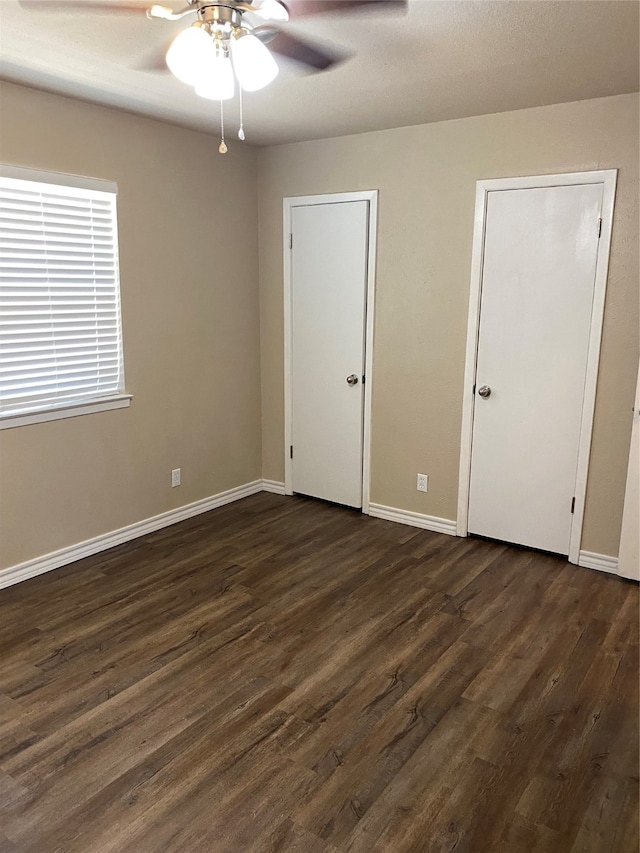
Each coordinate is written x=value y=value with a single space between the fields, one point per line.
x=607 y=178
x=370 y=196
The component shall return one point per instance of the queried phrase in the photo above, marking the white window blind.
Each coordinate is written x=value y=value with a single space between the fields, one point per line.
x=60 y=328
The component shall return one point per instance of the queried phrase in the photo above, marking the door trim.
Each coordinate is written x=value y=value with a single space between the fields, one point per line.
x=370 y=196
x=607 y=178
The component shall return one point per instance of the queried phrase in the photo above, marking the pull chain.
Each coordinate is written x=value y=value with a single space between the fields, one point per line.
x=222 y=148
x=241 y=135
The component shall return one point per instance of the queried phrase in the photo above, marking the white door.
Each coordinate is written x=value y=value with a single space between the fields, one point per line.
x=629 y=558
x=538 y=276
x=328 y=316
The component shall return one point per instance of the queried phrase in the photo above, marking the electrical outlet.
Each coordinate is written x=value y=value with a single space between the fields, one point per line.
x=421 y=484
x=175 y=478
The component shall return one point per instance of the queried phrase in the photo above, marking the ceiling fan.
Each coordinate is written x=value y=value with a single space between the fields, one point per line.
x=228 y=39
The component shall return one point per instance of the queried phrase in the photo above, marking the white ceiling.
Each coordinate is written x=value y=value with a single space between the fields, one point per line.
x=444 y=59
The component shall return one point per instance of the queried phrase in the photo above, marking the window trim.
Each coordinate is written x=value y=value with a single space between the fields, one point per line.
x=61 y=179
x=54 y=412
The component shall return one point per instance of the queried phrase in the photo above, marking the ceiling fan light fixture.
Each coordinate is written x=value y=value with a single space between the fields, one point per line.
x=216 y=81
x=255 y=67
x=188 y=52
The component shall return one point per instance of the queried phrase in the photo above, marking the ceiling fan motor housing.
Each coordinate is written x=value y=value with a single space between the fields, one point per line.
x=226 y=17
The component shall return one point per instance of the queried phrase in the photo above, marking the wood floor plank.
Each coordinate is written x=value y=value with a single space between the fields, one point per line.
x=282 y=674
x=405 y=812
x=366 y=768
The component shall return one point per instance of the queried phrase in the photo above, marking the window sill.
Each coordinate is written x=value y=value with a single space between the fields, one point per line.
x=120 y=401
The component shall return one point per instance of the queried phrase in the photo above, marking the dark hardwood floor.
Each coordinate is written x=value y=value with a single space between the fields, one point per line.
x=284 y=675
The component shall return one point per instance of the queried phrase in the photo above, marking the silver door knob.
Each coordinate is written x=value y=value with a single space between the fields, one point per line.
x=352 y=380
x=484 y=391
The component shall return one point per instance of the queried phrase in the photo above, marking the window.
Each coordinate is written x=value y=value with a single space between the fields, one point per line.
x=60 y=327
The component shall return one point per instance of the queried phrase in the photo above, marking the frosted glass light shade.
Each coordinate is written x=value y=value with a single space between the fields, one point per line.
x=254 y=65
x=216 y=81
x=188 y=52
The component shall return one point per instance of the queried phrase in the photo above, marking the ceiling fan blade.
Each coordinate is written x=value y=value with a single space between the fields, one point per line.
x=164 y=13
x=303 y=8
x=301 y=51
x=83 y=5
x=270 y=10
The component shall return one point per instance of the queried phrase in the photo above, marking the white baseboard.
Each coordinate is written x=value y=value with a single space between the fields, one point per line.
x=414 y=519
x=598 y=561
x=273 y=486
x=39 y=565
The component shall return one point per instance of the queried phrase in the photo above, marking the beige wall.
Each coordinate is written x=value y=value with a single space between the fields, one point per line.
x=188 y=252
x=192 y=327
x=426 y=177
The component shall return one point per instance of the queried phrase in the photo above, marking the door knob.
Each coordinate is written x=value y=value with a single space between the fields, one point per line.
x=484 y=391
x=352 y=380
